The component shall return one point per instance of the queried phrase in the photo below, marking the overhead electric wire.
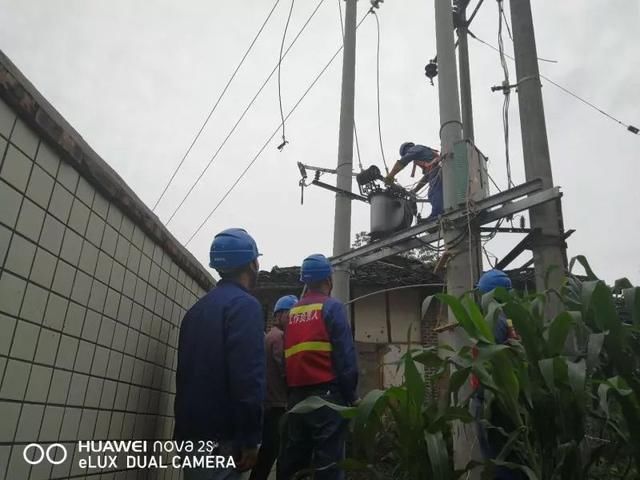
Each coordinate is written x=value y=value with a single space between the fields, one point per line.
x=506 y=22
x=384 y=160
x=284 y=36
x=264 y=146
x=215 y=105
x=506 y=90
x=355 y=130
x=629 y=127
x=248 y=107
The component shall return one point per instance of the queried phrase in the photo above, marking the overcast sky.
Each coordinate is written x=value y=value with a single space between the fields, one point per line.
x=136 y=78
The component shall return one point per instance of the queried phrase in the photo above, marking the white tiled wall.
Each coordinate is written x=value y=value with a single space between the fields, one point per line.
x=89 y=314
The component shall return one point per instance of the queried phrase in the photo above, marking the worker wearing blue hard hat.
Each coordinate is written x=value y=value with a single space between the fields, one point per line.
x=276 y=398
x=320 y=360
x=428 y=160
x=220 y=374
x=492 y=441
x=493 y=279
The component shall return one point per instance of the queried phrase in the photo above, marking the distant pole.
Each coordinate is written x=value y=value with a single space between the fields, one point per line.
x=550 y=250
x=460 y=275
x=342 y=220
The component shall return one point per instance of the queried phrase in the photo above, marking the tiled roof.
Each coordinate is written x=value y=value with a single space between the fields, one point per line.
x=393 y=271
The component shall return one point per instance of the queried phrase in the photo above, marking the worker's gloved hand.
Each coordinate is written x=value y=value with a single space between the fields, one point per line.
x=248 y=459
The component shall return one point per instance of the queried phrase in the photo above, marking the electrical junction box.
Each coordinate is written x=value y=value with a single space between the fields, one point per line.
x=470 y=170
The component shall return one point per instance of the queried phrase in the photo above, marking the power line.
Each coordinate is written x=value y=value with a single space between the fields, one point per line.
x=215 y=106
x=629 y=127
x=284 y=36
x=248 y=107
x=506 y=90
x=264 y=146
x=355 y=130
x=384 y=160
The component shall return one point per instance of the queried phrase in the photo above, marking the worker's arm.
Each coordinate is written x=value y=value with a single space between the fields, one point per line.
x=343 y=351
x=277 y=353
x=245 y=363
x=397 y=168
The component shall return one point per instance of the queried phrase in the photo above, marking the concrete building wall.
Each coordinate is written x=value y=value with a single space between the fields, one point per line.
x=389 y=321
x=90 y=307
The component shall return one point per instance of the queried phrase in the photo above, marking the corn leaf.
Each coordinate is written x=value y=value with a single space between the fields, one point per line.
x=594 y=347
x=632 y=304
x=438 y=455
x=581 y=259
x=480 y=324
x=460 y=313
x=557 y=333
x=314 y=403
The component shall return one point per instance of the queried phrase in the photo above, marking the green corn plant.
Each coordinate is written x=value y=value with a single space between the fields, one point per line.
x=416 y=434
x=610 y=322
x=540 y=390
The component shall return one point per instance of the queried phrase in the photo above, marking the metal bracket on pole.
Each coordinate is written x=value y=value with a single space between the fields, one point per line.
x=351 y=195
x=490 y=209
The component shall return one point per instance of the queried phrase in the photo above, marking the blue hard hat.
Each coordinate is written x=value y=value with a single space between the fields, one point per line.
x=231 y=249
x=493 y=279
x=285 y=303
x=406 y=146
x=315 y=268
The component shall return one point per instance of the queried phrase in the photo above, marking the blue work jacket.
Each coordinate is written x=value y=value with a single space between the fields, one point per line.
x=220 y=378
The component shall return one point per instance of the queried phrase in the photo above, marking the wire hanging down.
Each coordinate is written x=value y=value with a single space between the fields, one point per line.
x=215 y=106
x=384 y=160
x=248 y=107
x=266 y=143
x=284 y=36
x=629 y=127
x=506 y=90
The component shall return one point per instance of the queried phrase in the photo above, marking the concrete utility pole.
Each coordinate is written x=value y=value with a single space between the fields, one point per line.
x=550 y=250
x=465 y=73
x=460 y=275
x=467 y=115
x=342 y=220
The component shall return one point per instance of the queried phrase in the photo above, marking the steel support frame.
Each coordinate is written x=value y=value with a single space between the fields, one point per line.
x=495 y=207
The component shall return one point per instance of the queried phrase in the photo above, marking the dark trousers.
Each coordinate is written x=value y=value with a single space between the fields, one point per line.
x=315 y=439
x=435 y=195
x=492 y=442
x=270 y=443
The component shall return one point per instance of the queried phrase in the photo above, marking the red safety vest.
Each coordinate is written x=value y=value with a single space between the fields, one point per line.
x=307 y=347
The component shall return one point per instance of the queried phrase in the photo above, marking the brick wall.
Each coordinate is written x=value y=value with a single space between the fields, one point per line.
x=430 y=339
x=90 y=306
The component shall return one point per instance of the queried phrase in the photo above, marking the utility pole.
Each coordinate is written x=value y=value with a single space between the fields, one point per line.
x=465 y=73
x=550 y=250
x=460 y=275
x=342 y=219
x=467 y=114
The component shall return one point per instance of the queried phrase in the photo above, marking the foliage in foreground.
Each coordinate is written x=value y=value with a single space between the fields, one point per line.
x=569 y=389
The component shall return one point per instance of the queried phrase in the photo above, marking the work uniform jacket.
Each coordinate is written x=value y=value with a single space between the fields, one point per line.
x=318 y=346
x=423 y=157
x=220 y=378
x=276 y=383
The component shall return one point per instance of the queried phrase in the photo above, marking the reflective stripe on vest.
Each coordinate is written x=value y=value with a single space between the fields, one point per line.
x=307 y=345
